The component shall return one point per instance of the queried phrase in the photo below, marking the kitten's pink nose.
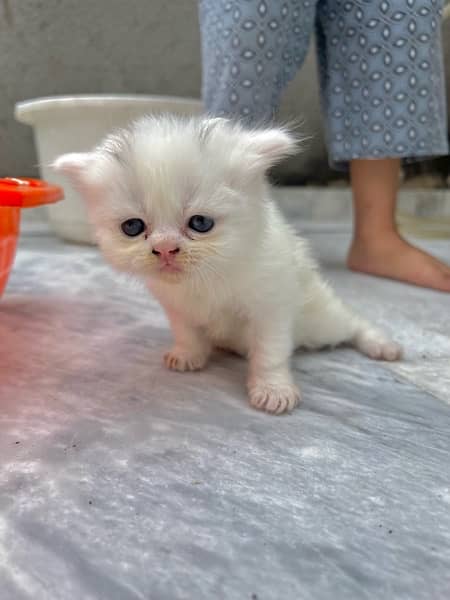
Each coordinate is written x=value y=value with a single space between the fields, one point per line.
x=165 y=250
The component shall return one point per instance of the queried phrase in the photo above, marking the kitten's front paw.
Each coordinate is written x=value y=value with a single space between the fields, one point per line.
x=274 y=398
x=181 y=360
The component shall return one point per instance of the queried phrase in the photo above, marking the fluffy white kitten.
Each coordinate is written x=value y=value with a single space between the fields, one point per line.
x=185 y=205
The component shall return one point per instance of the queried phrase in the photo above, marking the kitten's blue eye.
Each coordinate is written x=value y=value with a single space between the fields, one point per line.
x=133 y=227
x=201 y=224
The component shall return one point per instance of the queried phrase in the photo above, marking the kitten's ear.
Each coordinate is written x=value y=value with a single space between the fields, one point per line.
x=265 y=148
x=76 y=166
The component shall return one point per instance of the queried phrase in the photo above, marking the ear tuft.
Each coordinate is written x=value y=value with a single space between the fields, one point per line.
x=74 y=166
x=270 y=146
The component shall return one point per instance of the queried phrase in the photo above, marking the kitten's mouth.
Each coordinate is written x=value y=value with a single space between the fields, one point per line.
x=170 y=268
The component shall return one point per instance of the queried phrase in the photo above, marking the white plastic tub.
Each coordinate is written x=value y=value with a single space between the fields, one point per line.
x=77 y=123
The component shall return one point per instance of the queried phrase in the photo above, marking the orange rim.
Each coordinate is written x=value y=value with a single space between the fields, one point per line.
x=25 y=192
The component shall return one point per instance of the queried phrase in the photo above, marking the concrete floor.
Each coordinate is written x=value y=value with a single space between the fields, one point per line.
x=119 y=480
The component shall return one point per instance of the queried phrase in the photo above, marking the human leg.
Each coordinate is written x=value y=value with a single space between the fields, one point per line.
x=383 y=90
x=250 y=51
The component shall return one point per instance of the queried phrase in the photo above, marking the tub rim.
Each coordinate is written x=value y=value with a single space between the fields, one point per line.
x=29 y=111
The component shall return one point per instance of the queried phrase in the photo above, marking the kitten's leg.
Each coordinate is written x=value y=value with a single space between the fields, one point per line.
x=191 y=349
x=326 y=321
x=270 y=383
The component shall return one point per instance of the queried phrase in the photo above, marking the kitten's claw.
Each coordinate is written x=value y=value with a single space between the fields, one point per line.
x=376 y=346
x=179 y=360
x=274 y=399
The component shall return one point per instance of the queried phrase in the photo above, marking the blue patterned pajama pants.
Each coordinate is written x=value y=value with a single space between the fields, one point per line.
x=380 y=69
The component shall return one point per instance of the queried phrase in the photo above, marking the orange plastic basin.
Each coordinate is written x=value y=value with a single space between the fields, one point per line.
x=16 y=194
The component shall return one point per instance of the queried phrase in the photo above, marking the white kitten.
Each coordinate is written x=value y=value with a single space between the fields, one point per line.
x=185 y=205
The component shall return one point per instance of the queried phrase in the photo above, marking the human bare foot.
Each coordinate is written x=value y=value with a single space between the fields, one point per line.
x=391 y=256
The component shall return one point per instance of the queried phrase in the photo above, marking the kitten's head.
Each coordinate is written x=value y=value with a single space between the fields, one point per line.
x=177 y=199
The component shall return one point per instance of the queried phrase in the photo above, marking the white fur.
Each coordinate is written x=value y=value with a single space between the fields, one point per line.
x=249 y=285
